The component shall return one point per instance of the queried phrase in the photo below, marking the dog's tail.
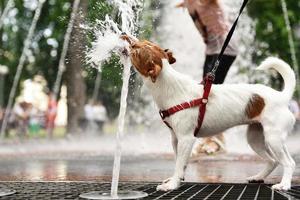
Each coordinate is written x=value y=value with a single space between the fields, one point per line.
x=285 y=71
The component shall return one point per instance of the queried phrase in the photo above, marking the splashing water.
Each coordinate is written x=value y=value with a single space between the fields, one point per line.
x=120 y=133
x=108 y=32
x=108 y=42
x=127 y=14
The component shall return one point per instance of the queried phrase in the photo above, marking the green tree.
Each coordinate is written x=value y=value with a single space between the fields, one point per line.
x=271 y=30
x=47 y=44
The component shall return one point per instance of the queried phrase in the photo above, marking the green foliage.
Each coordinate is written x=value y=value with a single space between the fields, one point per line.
x=149 y=18
x=111 y=76
x=110 y=87
x=111 y=71
x=98 y=10
x=271 y=31
x=47 y=45
x=55 y=16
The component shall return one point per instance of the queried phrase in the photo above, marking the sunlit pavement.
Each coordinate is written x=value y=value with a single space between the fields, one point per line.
x=92 y=166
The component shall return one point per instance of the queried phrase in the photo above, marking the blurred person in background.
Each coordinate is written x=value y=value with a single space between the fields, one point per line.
x=22 y=115
x=88 y=121
x=211 y=21
x=35 y=121
x=51 y=115
x=100 y=115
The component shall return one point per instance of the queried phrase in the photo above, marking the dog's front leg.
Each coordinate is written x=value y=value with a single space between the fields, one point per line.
x=184 y=148
x=174 y=143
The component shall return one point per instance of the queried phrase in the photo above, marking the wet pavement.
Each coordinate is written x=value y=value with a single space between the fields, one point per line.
x=149 y=160
x=222 y=168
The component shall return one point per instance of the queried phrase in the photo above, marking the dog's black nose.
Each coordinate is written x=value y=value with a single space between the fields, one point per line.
x=123 y=33
x=125 y=52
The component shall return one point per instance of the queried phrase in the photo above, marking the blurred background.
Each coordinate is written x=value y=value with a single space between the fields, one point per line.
x=54 y=106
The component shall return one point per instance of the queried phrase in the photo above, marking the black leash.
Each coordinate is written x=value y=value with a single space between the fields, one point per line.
x=227 y=40
x=209 y=78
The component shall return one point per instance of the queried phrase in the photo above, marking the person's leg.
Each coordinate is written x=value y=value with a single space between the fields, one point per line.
x=225 y=64
x=100 y=125
x=50 y=127
x=23 y=129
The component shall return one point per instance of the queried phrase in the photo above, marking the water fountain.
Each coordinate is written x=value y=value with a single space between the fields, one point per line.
x=109 y=42
x=97 y=86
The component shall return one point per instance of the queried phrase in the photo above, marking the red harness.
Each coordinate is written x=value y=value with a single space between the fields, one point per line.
x=201 y=102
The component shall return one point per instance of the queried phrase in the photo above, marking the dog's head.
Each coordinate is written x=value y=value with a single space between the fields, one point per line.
x=147 y=57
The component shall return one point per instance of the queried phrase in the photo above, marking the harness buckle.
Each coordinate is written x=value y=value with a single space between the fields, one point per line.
x=204 y=101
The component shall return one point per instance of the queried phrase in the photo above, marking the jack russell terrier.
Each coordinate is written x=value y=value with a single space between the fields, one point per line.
x=262 y=108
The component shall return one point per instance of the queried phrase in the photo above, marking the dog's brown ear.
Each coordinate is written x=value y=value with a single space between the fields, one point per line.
x=171 y=58
x=154 y=72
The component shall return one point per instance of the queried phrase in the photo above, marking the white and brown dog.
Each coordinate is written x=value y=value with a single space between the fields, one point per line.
x=264 y=109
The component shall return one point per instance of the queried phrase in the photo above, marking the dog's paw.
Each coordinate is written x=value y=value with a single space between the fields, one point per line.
x=281 y=187
x=169 y=184
x=255 y=179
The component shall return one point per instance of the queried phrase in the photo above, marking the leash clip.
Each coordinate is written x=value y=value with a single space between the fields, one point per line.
x=163 y=113
x=210 y=76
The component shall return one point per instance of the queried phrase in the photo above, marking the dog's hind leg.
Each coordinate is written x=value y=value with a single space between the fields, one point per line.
x=256 y=140
x=184 y=148
x=275 y=141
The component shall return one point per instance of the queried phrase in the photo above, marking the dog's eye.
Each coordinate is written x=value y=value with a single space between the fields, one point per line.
x=166 y=50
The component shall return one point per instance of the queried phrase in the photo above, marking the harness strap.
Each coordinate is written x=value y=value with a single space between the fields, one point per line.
x=201 y=102
x=167 y=113
x=179 y=107
x=208 y=80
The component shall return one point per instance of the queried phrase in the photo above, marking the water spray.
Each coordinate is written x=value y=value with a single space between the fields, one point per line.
x=109 y=42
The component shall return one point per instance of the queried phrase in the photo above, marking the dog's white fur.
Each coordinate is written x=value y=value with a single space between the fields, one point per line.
x=225 y=109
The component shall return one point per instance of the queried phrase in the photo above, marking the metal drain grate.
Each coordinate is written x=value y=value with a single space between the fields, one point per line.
x=189 y=191
x=294 y=192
